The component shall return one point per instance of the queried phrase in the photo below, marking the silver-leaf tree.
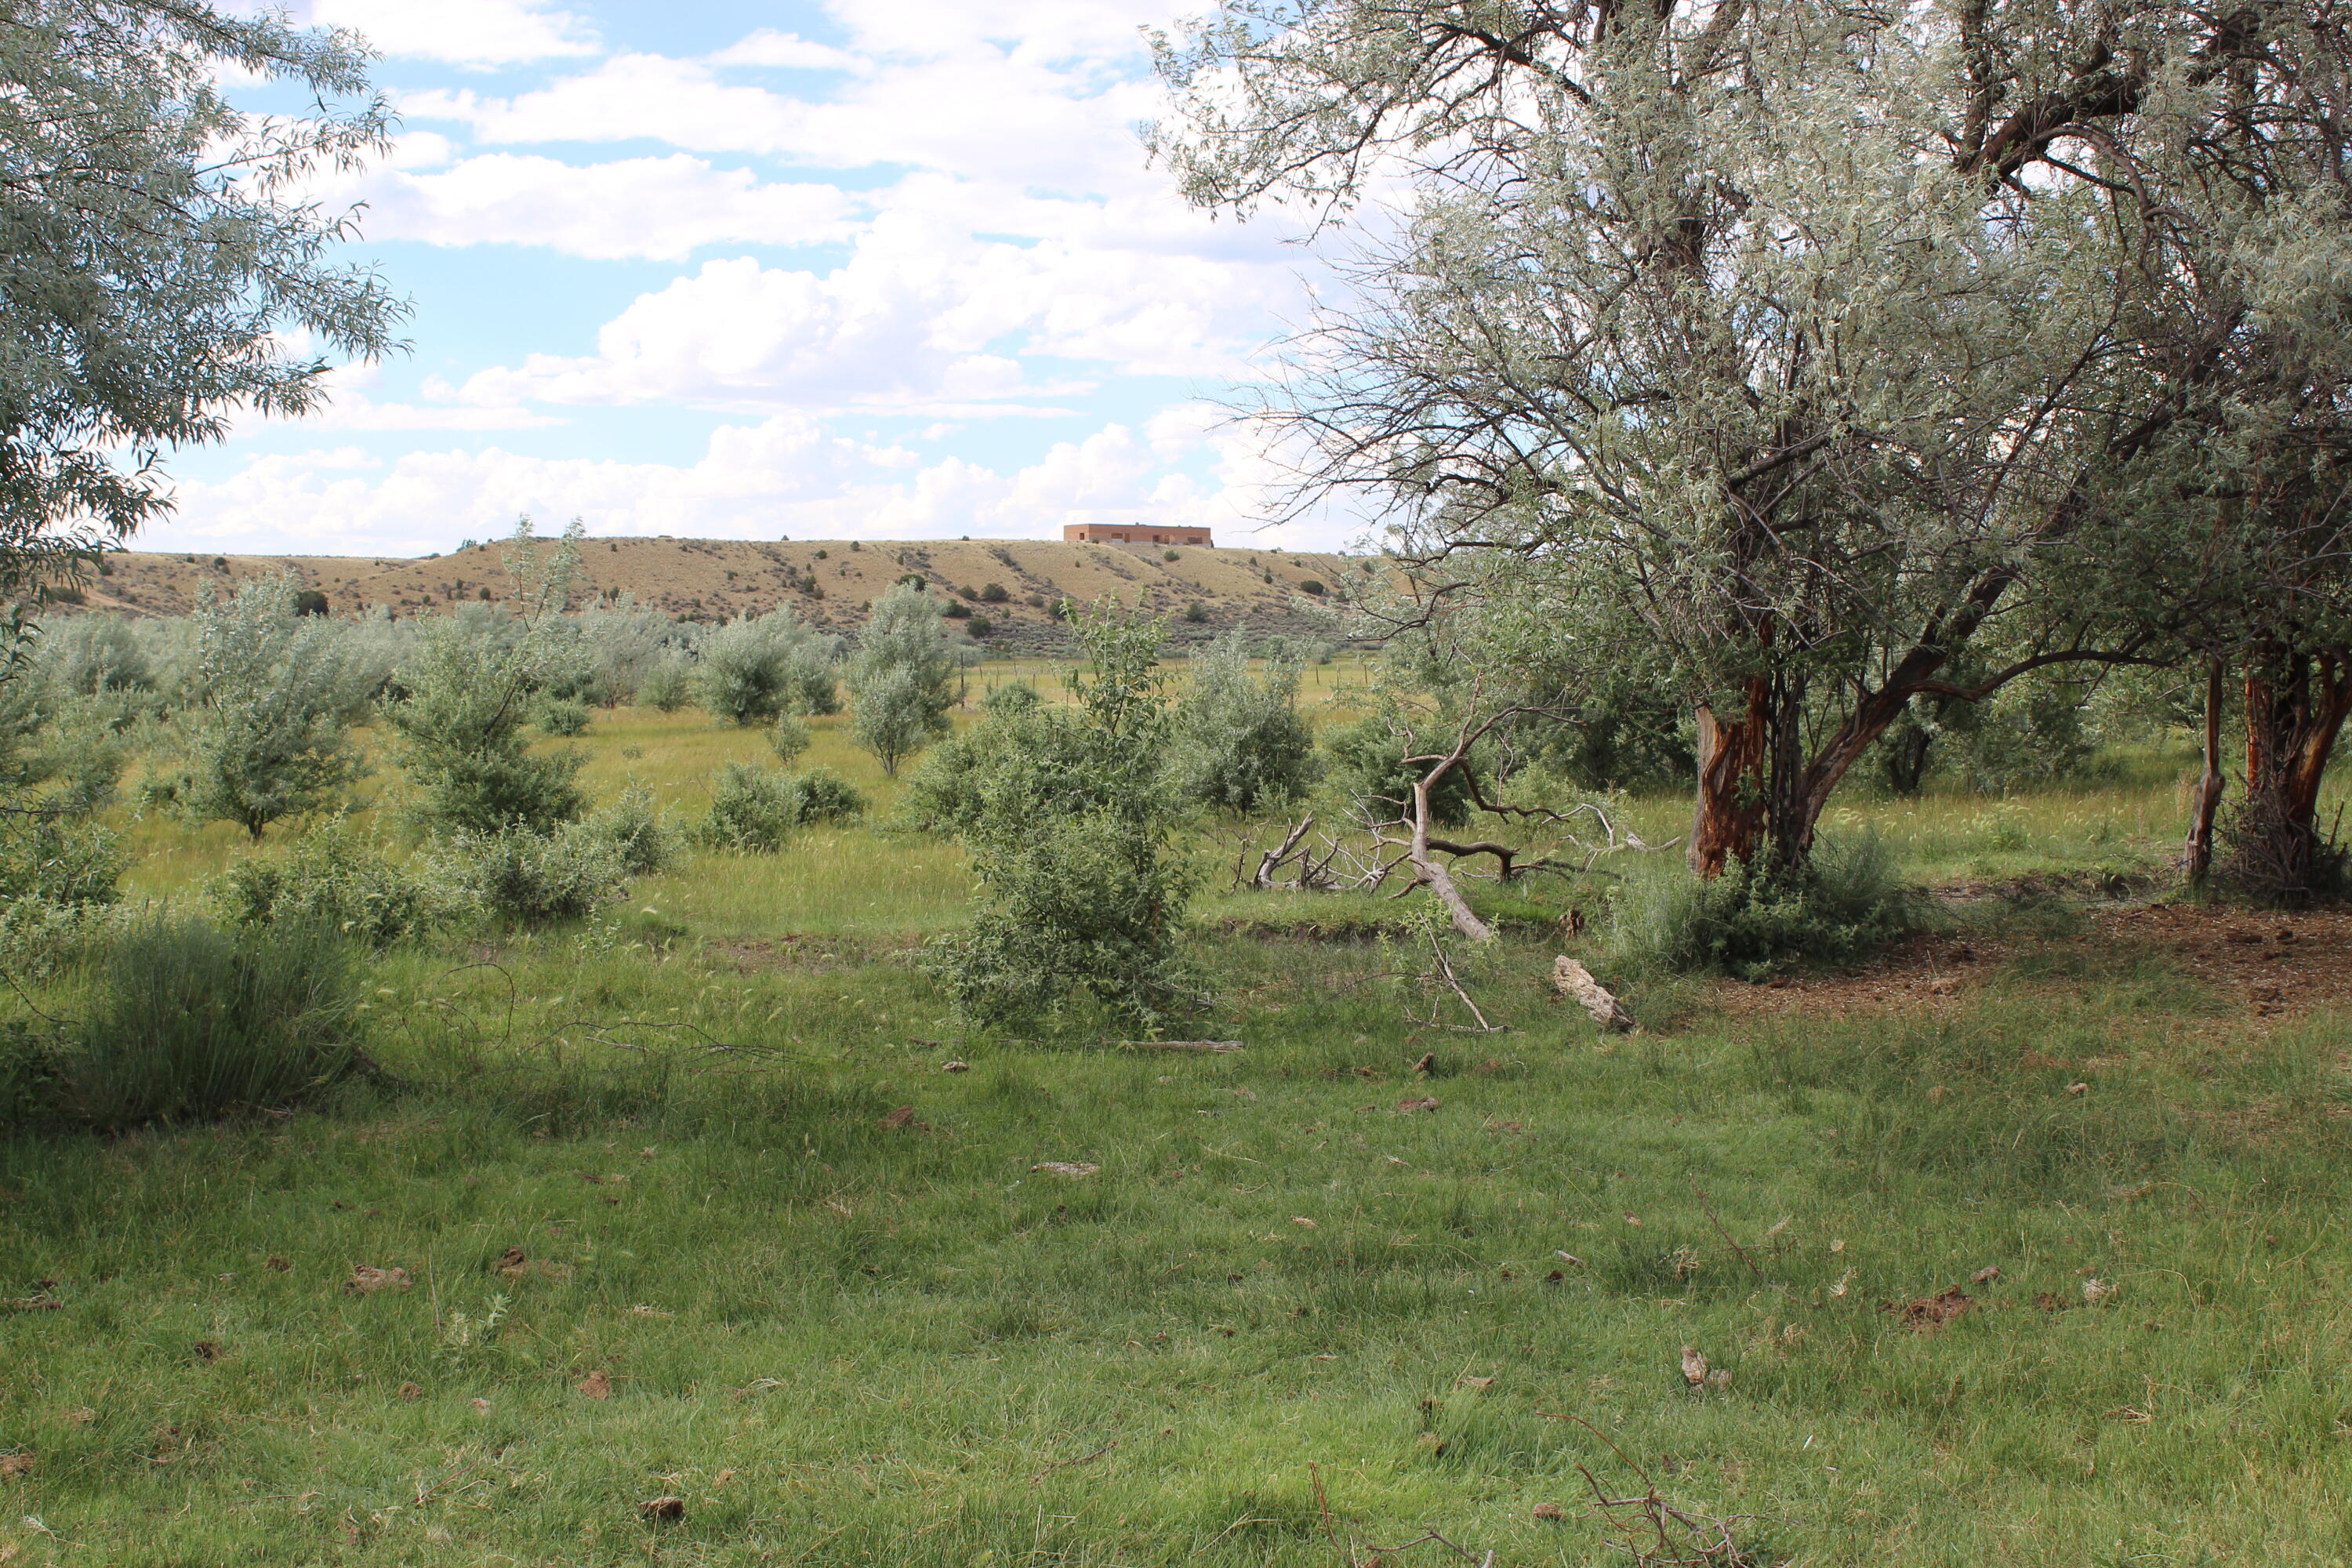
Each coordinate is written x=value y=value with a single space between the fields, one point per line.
x=163 y=270
x=1787 y=352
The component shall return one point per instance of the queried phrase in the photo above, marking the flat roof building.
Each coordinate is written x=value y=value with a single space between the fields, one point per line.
x=1132 y=533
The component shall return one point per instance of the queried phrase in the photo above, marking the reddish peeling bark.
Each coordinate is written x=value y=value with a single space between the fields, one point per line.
x=1728 y=816
x=1759 y=795
x=2296 y=703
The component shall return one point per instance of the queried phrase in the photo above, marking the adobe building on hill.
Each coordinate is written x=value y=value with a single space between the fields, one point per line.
x=1131 y=533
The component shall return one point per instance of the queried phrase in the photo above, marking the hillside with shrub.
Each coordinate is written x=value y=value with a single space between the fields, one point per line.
x=1001 y=592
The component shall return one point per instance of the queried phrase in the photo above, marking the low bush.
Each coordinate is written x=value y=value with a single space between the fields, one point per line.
x=1751 y=919
x=187 y=1022
x=826 y=797
x=1240 y=743
x=39 y=937
x=1364 y=761
x=1083 y=888
x=753 y=809
x=530 y=878
x=563 y=716
x=788 y=738
x=1088 y=911
x=668 y=685
x=644 y=839
x=333 y=878
x=58 y=859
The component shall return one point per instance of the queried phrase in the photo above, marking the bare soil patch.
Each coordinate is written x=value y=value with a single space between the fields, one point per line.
x=1924 y=972
x=2274 y=963
x=2267 y=963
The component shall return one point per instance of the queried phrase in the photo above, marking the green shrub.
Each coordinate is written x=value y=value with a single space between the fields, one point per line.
x=943 y=793
x=1087 y=908
x=1749 y=920
x=754 y=809
x=898 y=684
x=529 y=878
x=61 y=860
x=642 y=838
x=826 y=797
x=335 y=879
x=668 y=685
x=187 y=1022
x=1240 y=743
x=39 y=937
x=268 y=730
x=788 y=738
x=467 y=692
x=753 y=668
x=1365 y=761
x=1070 y=824
x=563 y=716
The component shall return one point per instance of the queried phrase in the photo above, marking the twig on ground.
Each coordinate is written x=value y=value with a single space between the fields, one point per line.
x=1081 y=1459
x=1745 y=1255
x=1463 y=1553
x=1654 y=1532
x=1330 y=1526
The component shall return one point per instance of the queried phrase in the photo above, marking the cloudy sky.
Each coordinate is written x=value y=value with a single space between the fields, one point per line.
x=833 y=270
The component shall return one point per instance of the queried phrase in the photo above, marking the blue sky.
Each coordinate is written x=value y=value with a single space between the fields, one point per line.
x=846 y=270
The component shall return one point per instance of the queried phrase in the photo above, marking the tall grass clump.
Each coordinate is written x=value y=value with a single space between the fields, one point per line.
x=1753 y=919
x=186 y=1021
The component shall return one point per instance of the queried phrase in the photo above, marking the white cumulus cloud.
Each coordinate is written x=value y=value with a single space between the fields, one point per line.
x=785 y=475
x=473 y=32
x=662 y=208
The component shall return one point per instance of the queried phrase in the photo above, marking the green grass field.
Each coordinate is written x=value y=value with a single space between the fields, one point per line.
x=776 y=1263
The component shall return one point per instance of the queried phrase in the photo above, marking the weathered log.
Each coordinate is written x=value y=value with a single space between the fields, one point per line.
x=1576 y=982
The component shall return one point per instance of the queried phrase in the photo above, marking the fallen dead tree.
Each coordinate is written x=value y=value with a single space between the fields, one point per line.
x=1576 y=982
x=1392 y=834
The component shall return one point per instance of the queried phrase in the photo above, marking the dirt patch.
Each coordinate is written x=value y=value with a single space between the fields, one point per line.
x=807 y=954
x=1919 y=972
x=2273 y=962
x=2263 y=964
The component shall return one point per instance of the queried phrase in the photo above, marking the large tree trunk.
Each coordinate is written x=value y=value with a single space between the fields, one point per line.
x=2196 y=853
x=2295 y=705
x=1728 y=813
x=1761 y=796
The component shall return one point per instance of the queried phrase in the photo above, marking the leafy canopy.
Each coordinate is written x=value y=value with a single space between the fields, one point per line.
x=164 y=271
